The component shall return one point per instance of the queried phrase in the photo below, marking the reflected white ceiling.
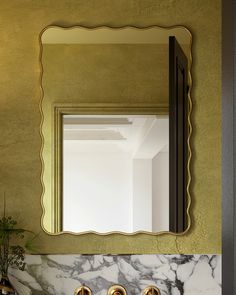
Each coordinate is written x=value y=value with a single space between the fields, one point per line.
x=142 y=136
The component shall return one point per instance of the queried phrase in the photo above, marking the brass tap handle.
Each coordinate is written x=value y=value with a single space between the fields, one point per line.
x=83 y=290
x=151 y=290
x=116 y=290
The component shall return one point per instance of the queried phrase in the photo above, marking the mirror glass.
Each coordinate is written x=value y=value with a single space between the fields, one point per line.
x=106 y=130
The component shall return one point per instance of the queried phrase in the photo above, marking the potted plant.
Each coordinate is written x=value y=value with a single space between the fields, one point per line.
x=12 y=252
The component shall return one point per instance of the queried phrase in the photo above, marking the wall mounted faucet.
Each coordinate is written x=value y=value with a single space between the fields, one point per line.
x=83 y=290
x=151 y=290
x=116 y=290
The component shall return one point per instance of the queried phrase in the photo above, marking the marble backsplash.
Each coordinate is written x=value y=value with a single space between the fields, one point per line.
x=172 y=274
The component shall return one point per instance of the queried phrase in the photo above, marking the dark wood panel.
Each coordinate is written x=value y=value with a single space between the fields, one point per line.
x=178 y=136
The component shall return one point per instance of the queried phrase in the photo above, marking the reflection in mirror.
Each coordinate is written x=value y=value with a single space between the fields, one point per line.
x=113 y=101
x=116 y=167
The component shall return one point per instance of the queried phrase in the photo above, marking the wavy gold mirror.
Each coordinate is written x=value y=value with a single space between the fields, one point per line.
x=116 y=129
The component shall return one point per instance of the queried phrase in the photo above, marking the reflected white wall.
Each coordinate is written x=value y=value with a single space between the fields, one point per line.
x=108 y=191
x=142 y=194
x=98 y=188
x=160 y=187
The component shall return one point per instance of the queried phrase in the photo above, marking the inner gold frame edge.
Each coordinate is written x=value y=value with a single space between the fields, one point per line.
x=133 y=106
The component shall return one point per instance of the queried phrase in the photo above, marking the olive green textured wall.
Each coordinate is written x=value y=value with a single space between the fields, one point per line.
x=20 y=24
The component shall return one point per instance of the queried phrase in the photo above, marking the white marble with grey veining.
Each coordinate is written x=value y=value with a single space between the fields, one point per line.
x=172 y=274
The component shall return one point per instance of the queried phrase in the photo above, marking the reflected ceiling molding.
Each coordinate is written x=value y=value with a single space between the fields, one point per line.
x=93 y=135
x=69 y=120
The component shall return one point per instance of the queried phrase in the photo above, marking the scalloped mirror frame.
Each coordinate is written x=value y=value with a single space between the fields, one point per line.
x=188 y=141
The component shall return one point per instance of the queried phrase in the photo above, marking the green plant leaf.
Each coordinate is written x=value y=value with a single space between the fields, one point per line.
x=30 y=244
x=10 y=252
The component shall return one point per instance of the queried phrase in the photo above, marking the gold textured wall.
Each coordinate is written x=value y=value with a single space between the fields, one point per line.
x=20 y=167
